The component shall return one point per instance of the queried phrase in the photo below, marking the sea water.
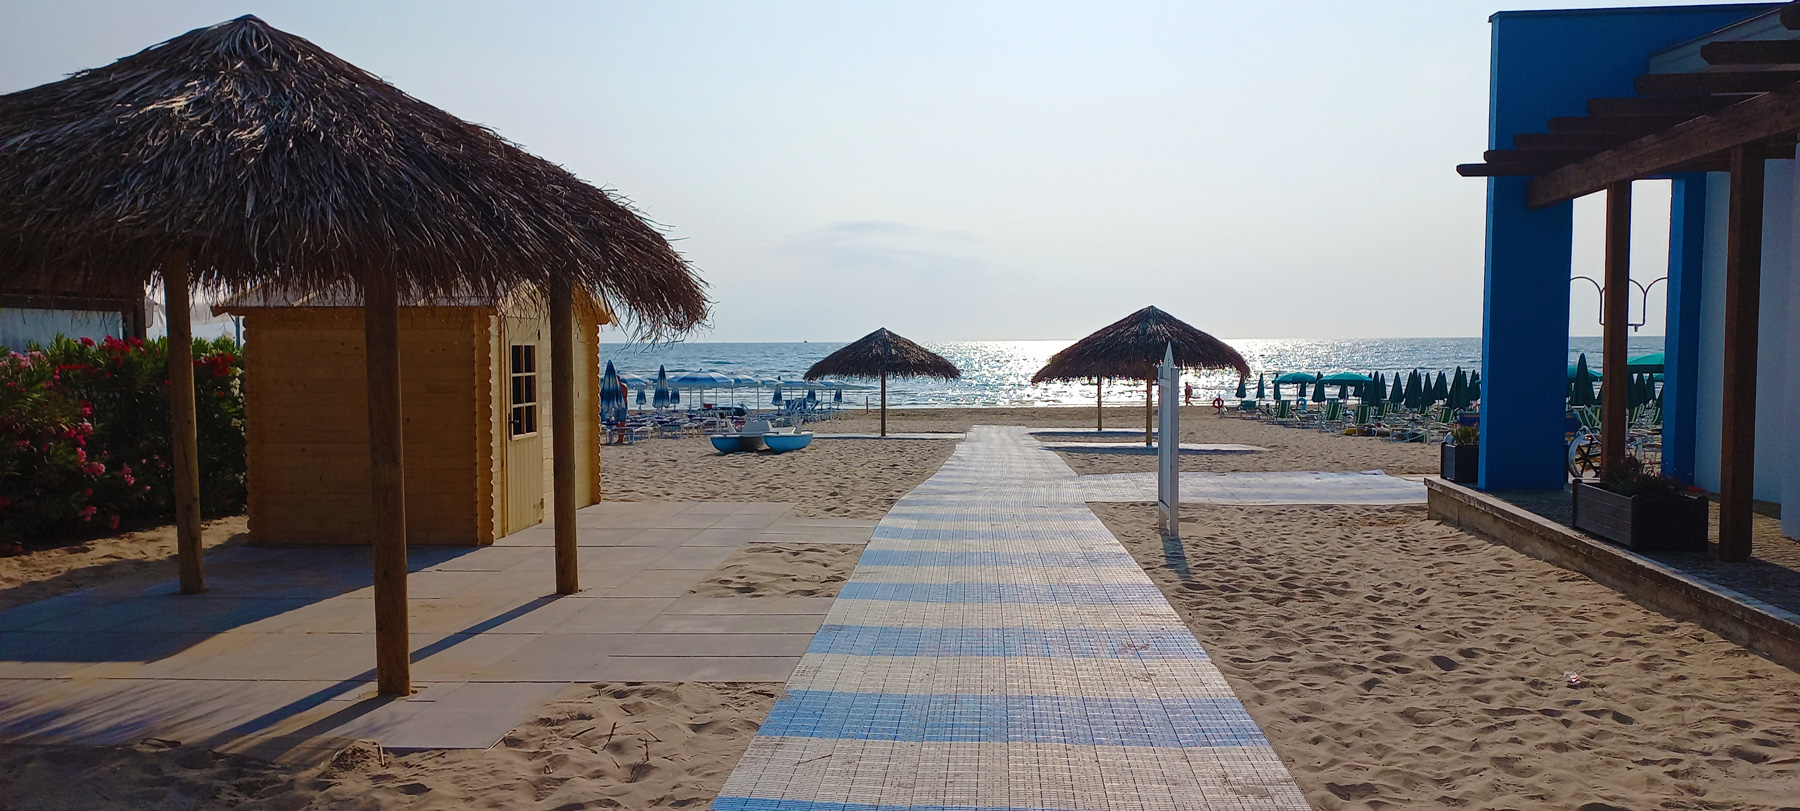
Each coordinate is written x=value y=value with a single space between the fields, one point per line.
x=998 y=373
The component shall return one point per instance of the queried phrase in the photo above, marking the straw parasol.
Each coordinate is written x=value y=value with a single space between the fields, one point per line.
x=1133 y=346
x=883 y=354
x=240 y=155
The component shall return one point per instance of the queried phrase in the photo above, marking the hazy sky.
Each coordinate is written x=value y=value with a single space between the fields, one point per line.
x=967 y=171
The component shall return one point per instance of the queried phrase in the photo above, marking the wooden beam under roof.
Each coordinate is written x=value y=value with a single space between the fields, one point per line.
x=1592 y=142
x=1635 y=106
x=1519 y=163
x=1752 y=52
x=1714 y=82
x=1772 y=114
x=1636 y=127
x=1790 y=16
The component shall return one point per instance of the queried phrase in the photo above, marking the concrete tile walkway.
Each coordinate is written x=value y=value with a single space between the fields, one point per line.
x=275 y=659
x=997 y=648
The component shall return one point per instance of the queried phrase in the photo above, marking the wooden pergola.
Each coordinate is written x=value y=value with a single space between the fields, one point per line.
x=1740 y=111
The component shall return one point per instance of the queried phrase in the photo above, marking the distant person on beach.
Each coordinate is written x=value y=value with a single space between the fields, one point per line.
x=1189 y=390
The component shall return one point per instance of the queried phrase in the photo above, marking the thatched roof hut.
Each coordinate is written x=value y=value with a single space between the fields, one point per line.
x=241 y=155
x=1133 y=346
x=268 y=159
x=882 y=354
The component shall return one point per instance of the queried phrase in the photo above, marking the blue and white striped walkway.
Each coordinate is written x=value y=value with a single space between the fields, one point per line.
x=998 y=650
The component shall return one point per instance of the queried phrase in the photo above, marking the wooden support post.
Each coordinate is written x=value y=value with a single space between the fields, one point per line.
x=184 y=435
x=562 y=418
x=1743 y=296
x=387 y=481
x=884 y=402
x=1149 y=415
x=1099 y=405
x=1615 y=304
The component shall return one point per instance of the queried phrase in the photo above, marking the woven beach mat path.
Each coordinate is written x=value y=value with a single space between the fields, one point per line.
x=997 y=648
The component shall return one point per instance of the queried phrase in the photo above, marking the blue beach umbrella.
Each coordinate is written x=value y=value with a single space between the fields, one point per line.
x=674 y=396
x=612 y=395
x=775 y=399
x=640 y=396
x=662 y=399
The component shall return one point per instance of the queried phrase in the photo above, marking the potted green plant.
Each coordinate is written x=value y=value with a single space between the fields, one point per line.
x=1641 y=509
x=1459 y=460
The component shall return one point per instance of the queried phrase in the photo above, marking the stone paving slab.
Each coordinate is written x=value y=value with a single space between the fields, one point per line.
x=1140 y=449
x=947 y=436
x=997 y=649
x=276 y=658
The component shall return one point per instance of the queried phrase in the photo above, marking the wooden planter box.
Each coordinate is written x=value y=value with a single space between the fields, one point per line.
x=1460 y=463
x=1663 y=523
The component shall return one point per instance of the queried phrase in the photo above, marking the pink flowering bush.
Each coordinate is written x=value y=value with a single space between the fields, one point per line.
x=85 y=436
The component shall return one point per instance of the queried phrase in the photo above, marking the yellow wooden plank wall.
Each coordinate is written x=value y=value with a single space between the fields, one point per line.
x=307 y=425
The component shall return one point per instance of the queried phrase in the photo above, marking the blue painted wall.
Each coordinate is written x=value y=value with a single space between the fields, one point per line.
x=1545 y=64
x=1681 y=344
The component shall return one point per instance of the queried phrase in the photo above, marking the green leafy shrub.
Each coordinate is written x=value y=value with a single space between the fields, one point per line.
x=85 y=435
x=1465 y=435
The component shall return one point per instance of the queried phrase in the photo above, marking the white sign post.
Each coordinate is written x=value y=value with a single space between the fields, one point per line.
x=1168 y=448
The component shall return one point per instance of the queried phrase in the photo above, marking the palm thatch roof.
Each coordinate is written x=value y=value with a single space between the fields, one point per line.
x=883 y=353
x=268 y=160
x=1132 y=347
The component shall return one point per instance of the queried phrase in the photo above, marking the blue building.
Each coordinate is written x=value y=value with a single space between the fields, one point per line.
x=1588 y=101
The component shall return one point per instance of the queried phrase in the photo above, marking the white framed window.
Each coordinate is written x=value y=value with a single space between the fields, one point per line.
x=524 y=417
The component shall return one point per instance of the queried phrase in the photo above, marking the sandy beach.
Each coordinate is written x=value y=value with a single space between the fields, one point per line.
x=1393 y=662
x=1398 y=663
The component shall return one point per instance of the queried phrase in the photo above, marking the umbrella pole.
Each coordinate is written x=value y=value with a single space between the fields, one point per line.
x=1149 y=391
x=884 y=403
x=562 y=436
x=387 y=478
x=181 y=412
x=1099 y=406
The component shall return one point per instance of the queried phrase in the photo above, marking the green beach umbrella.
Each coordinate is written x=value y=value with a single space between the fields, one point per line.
x=1319 y=388
x=1581 y=389
x=1459 y=390
x=1645 y=364
x=1376 y=389
x=1302 y=394
x=1241 y=393
x=1398 y=395
x=1260 y=391
x=1474 y=386
x=1441 y=391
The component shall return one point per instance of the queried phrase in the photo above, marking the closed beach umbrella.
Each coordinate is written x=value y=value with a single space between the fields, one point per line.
x=837 y=395
x=1133 y=346
x=1260 y=390
x=640 y=394
x=1319 y=388
x=1376 y=390
x=662 y=399
x=1303 y=387
x=1474 y=386
x=1398 y=395
x=240 y=155
x=612 y=395
x=1441 y=392
x=1581 y=389
x=1415 y=390
x=674 y=396
x=1241 y=392
x=775 y=399
x=882 y=354
x=1459 y=387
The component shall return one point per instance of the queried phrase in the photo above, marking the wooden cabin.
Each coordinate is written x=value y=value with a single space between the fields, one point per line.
x=475 y=400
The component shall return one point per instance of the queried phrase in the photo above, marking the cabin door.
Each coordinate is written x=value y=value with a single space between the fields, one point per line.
x=526 y=421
